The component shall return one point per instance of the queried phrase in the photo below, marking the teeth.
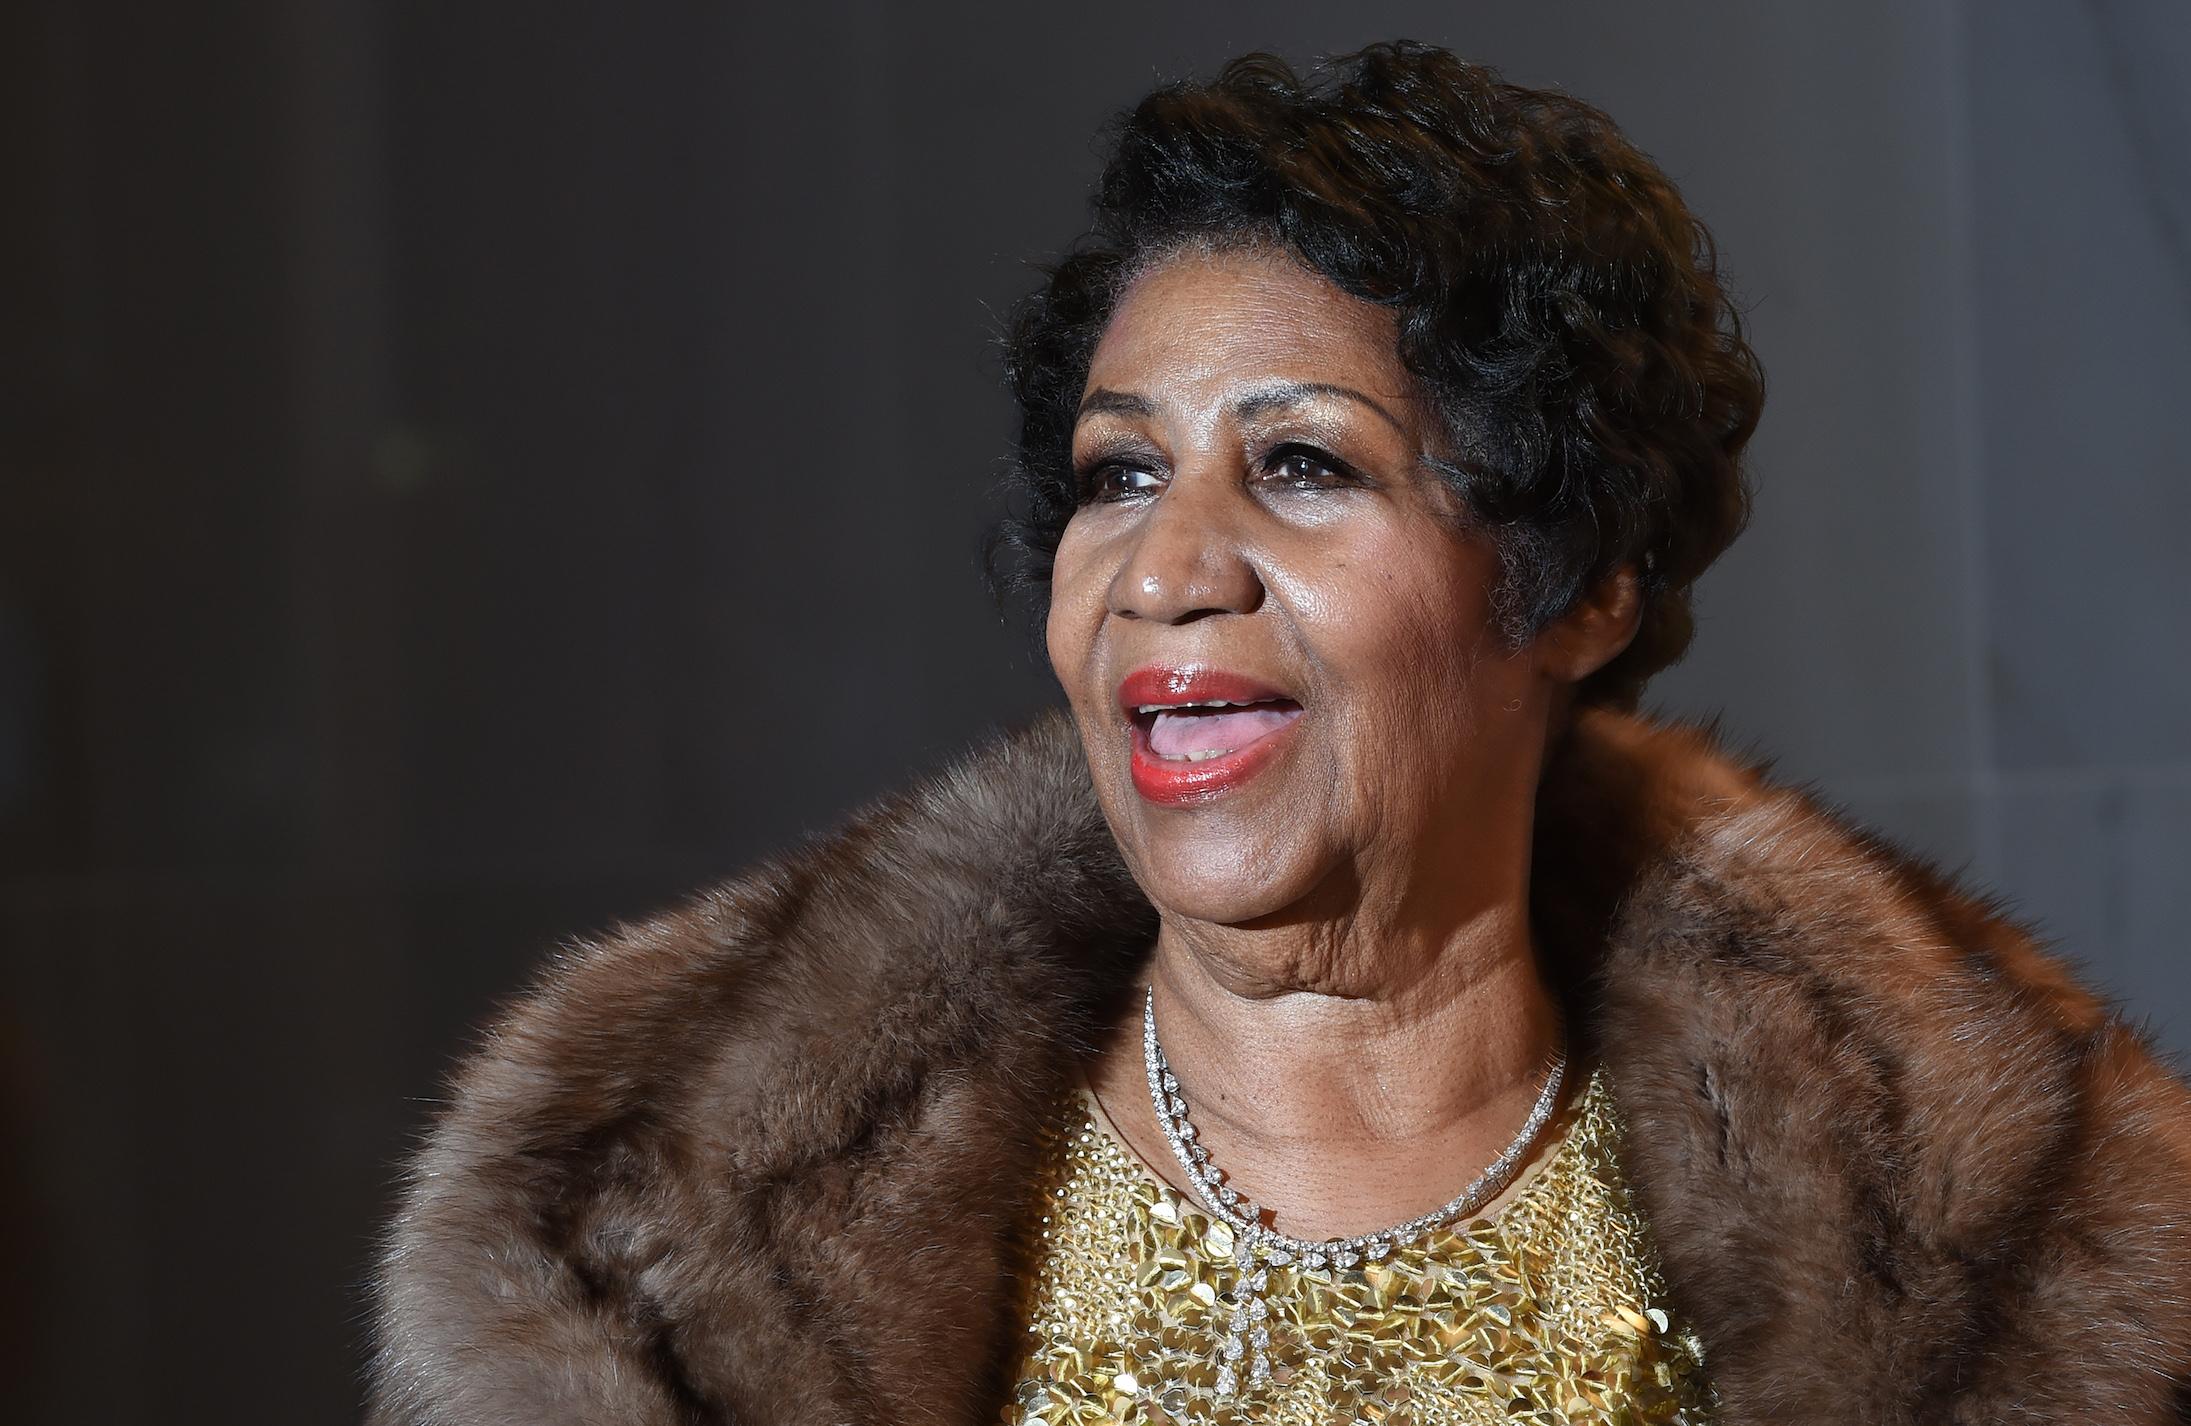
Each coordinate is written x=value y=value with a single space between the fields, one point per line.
x=1201 y=755
x=1210 y=703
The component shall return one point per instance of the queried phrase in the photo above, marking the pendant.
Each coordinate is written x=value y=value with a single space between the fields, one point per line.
x=1247 y=1334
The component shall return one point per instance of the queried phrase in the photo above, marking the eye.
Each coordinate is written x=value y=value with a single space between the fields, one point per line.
x=1113 y=480
x=1308 y=468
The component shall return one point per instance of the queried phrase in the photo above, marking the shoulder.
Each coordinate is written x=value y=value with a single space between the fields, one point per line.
x=647 y=1128
x=1894 y=1147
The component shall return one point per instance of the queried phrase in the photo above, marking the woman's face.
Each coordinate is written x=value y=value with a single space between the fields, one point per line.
x=1258 y=526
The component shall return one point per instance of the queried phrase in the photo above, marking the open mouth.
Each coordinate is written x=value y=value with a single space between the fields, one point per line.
x=1216 y=728
x=1199 y=732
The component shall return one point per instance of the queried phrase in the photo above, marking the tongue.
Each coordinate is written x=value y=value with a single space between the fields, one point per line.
x=1178 y=732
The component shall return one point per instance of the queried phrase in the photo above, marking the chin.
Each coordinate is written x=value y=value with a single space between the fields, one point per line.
x=1217 y=878
x=1236 y=857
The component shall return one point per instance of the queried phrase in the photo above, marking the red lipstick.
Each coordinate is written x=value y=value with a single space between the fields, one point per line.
x=1206 y=750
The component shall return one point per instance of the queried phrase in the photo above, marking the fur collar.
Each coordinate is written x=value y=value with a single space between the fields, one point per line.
x=755 y=1159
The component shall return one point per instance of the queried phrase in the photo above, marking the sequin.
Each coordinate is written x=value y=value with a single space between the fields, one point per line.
x=1552 y=1311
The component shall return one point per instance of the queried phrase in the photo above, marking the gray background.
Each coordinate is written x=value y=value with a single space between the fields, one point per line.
x=472 y=473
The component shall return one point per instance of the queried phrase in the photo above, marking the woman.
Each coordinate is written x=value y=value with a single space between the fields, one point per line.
x=1354 y=1009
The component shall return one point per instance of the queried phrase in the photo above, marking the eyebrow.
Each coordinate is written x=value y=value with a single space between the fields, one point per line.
x=1256 y=403
x=1103 y=400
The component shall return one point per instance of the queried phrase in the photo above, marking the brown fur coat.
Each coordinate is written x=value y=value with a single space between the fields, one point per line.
x=755 y=1160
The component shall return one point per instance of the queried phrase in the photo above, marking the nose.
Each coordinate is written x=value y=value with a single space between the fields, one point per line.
x=1186 y=560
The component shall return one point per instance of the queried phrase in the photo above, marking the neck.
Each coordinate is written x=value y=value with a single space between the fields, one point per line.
x=1359 y=1092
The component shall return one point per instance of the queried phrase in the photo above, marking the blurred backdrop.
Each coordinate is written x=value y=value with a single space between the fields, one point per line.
x=474 y=472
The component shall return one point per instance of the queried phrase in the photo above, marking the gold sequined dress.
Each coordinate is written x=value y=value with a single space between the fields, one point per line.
x=1551 y=1310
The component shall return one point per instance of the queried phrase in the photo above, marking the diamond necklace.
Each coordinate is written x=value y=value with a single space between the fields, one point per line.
x=1256 y=1248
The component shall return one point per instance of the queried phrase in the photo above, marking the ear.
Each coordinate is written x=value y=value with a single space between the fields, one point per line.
x=1593 y=632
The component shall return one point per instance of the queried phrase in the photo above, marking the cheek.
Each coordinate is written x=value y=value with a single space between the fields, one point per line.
x=1409 y=622
x=1070 y=628
x=1066 y=655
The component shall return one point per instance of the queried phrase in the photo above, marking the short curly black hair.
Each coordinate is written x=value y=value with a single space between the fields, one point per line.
x=1554 y=295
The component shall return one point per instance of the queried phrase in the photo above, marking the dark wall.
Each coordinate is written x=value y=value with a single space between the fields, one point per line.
x=471 y=473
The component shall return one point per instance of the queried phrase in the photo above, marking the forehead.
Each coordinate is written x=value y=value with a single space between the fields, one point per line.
x=1210 y=320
